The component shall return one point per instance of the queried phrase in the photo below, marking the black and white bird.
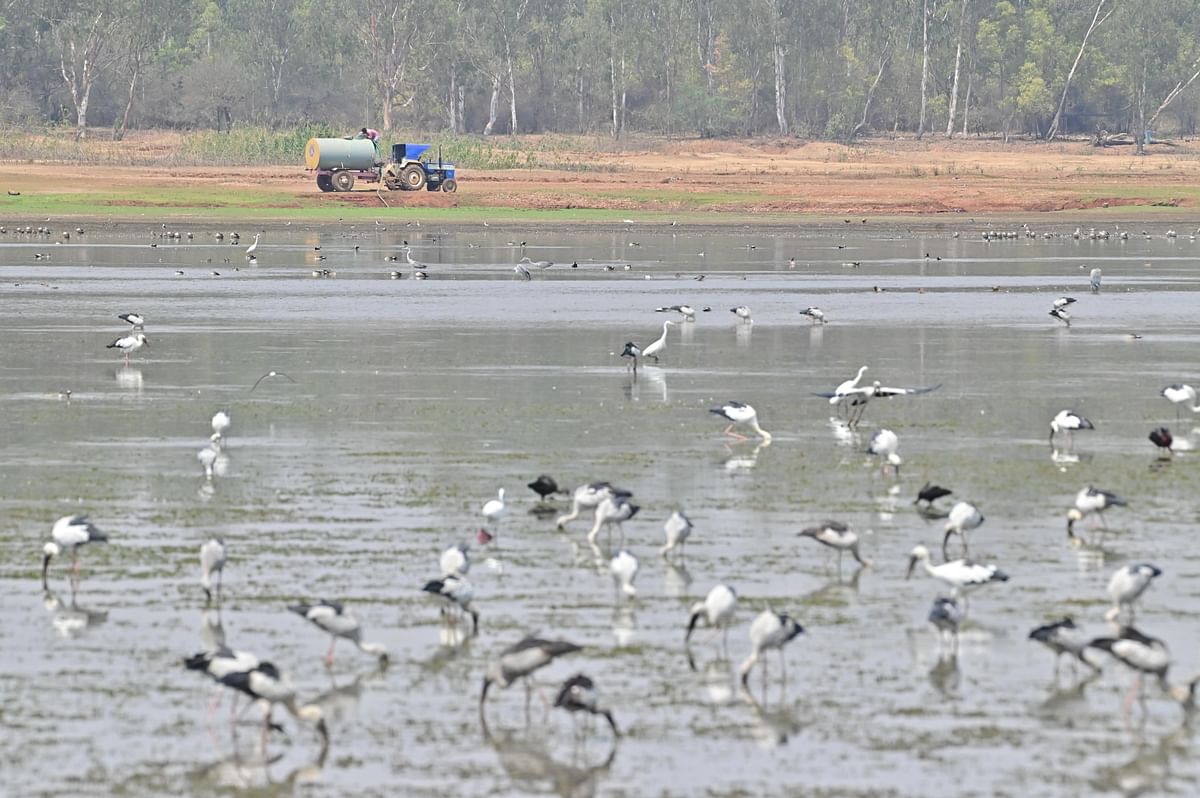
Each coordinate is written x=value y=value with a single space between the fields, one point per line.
x=129 y=344
x=958 y=575
x=586 y=497
x=857 y=399
x=655 y=349
x=69 y=532
x=455 y=560
x=1063 y=301
x=946 y=615
x=687 y=311
x=266 y=683
x=1062 y=314
x=1141 y=654
x=221 y=662
x=612 y=511
x=1182 y=396
x=963 y=517
x=1127 y=584
x=1067 y=422
x=1094 y=280
x=624 y=569
x=677 y=529
x=884 y=444
x=769 y=630
x=816 y=314
x=134 y=320
x=334 y=618
x=578 y=694
x=739 y=413
x=930 y=493
x=1091 y=500
x=742 y=312
x=1063 y=637
x=212 y=561
x=545 y=486
x=716 y=610
x=633 y=352
x=837 y=536
x=522 y=272
x=457 y=592
x=521 y=659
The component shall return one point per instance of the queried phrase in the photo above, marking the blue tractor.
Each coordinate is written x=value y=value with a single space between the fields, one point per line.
x=408 y=172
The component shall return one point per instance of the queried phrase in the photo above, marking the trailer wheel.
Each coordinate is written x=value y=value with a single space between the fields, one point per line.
x=324 y=183
x=413 y=177
x=450 y=185
x=343 y=181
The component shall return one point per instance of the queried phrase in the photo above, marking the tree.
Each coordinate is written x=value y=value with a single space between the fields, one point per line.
x=83 y=35
x=1097 y=21
x=396 y=37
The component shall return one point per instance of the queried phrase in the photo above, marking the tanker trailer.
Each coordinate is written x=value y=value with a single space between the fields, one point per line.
x=339 y=162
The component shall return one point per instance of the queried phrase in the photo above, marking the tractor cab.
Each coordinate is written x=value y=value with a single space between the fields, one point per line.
x=408 y=172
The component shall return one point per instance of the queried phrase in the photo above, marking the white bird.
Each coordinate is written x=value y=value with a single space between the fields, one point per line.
x=458 y=592
x=522 y=272
x=678 y=529
x=71 y=531
x=493 y=510
x=1063 y=301
x=624 y=568
x=135 y=320
x=1063 y=637
x=588 y=496
x=884 y=444
x=456 y=560
x=742 y=312
x=1067 y=421
x=212 y=561
x=716 y=610
x=334 y=618
x=540 y=264
x=656 y=348
x=816 y=314
x=521 y=659
x=1091 y=500
x=221 y=422
x=129 y=344
x=837 y=536
x=846 y=388
x=856 y=398
x=770 y=630
x=687 y=311
x=252 y=250
x=946 y=614
x=738 y=413
x=1181 y=395
x=612 y=510
x=1094 y=279
x=1127 y=584
x=963 y=517
x=957 y=574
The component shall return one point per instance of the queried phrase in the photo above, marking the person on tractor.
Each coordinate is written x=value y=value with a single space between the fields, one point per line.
x=372 y=135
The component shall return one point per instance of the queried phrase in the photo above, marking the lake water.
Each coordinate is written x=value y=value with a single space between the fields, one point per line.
x=415 y=400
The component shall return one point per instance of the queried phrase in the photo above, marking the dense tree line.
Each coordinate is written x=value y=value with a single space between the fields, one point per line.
x=825 y=68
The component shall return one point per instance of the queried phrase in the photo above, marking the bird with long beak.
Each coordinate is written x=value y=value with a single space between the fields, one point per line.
x=963 y=517
x=1067 y=422
x=837 y=536
x=587 y=497
x=70 y=532
x=1063 y=637
x=958 y=575
x=633 y=352
x=1140 y=653
x=1091 y=500
x=737 y=413
x=265 y=682
x=334 y=618
x=716 y=610
x=578 y=694
x=1126 y=586
x=457 y=591
x=770 y=630
x=521 y=659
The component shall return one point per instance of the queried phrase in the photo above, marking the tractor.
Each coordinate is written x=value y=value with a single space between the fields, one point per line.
x=340 y=162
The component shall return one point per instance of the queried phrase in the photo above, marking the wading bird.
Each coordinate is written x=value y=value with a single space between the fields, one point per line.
x=845 y=390
x=212 y=561
x=963 y=517
x=129 y=344
x=655 y=349
x=716 y=610
x=545 y=486
x=455 y=560
x=493 y=510
x=612 y=510
x=677 y=529
x=135 y=320
x=624 y=568
x=334 y=618
x=633 y=352
x=1142 y=654
x=456 y=591
x=1094 y=280
x=521 y=659
x=742 y=312
x=856 y=399
x=946 y=614
x=1062 y=315
x=587 y=497
x=1063 y=301
x=252 y=250
x=959 y=575
x=1161 y=437
x=816 y=314
x=884 y=444
x=1126 y=586
x=578 y=694
x=537 y=264
x=770 y=630
x=931 y=493
x=1067 y=421
x=1063 y=637
x=1091 y=500
x=71 y=532
x=837 y=536
x=267 y=683
x=220 y=423
x=687 y=311
x=738 y=413
x=1181 y=395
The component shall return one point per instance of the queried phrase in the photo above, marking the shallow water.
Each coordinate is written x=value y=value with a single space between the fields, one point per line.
x=415 y=400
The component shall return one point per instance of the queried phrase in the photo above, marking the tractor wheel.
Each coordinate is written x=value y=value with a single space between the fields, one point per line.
x=413 y=177
x=324 y=183
x=391 y=177
x=343 y=181
x=450 y=185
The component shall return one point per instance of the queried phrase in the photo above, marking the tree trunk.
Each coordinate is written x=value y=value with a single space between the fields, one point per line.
x=1141 y=109
x=1097 y=21
x=924 y=64
x=512 y=86
x=962 y=21
x=883 y=59
x=135 y=72
x=579 y=90
x=779 y=54
x=385 y=109
x=967 y=96
x=451 y=100
x=612 y=82
x=493 y=106
x=1180 y=87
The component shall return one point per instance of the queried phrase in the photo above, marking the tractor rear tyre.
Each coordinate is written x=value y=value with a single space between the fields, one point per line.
x=413 y=177
x=450 y=185
x=343 y=181
x=324 y=183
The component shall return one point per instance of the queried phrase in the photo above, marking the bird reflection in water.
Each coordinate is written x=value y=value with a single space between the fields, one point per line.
x=71 y=620
x=624 y=624
x=1149 y=771
x=129 y=378
x=252 y=770
x=742 y=461
x=527 y=759
x=648 y=380
x=773 y=727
